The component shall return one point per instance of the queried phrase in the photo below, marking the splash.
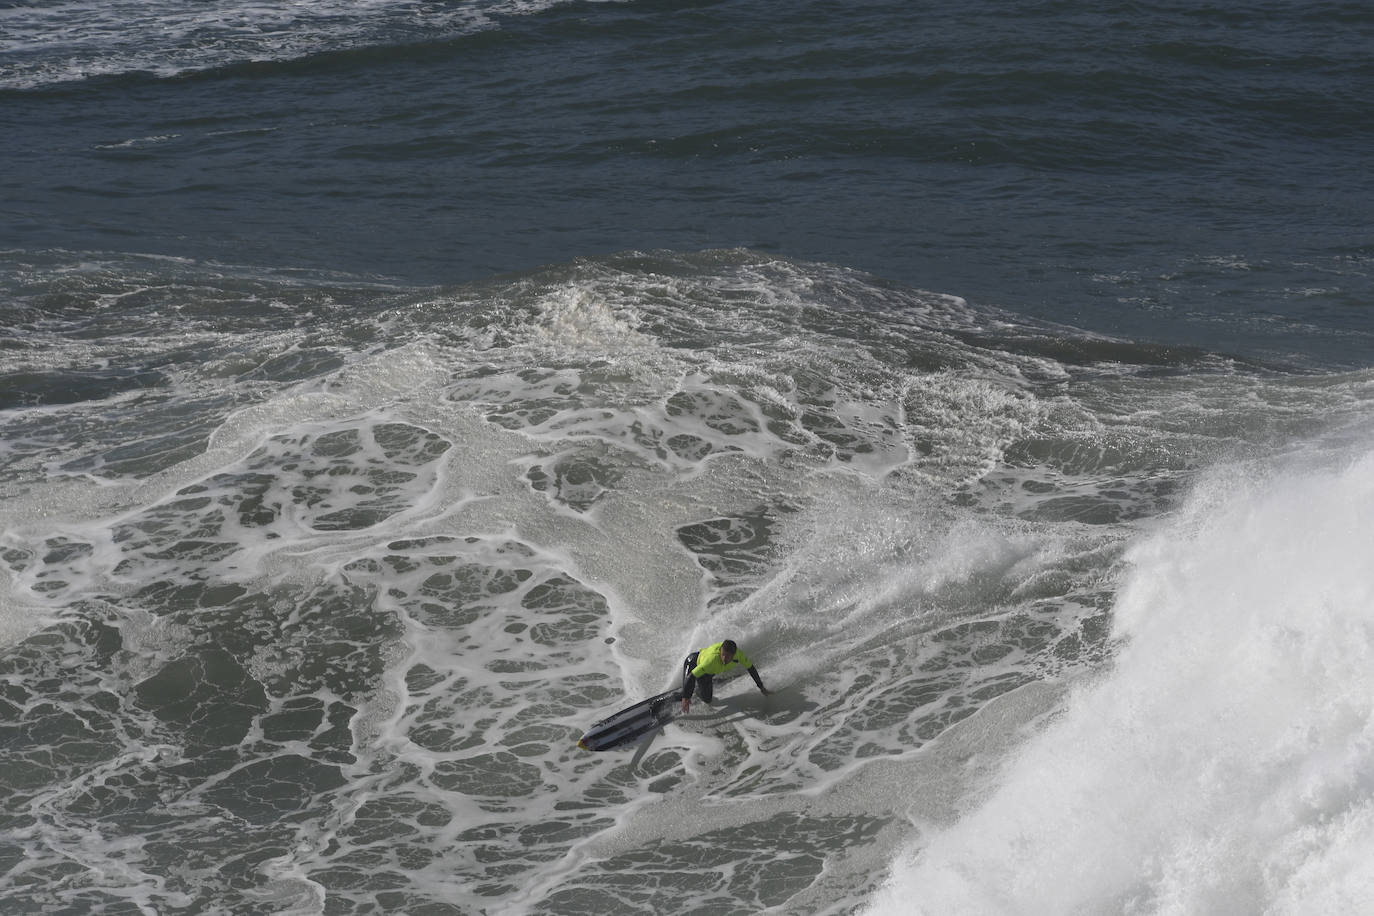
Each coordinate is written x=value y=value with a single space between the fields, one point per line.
x=1225 y=763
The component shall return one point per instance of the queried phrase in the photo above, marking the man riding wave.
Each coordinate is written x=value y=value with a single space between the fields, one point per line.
x=700 y=668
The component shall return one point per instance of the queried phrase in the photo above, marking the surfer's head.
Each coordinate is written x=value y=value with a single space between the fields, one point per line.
x=727 y=650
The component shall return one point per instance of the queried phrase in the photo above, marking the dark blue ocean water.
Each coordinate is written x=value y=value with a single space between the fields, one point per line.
x=390 y=390
x=1179 y=172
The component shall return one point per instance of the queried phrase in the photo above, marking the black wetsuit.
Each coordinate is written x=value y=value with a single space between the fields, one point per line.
x=691 y=682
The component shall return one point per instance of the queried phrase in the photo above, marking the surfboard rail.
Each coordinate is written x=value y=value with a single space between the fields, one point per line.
x=632 y=722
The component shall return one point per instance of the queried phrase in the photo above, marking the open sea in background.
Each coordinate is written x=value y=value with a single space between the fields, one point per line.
x=391 y=389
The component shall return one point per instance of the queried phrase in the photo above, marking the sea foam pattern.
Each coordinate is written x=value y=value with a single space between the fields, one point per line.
x=316 y=628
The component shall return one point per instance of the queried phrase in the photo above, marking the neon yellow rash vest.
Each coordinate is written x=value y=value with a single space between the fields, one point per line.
x=709 y=661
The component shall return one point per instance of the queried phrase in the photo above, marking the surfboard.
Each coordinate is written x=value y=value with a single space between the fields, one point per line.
x=632 y=722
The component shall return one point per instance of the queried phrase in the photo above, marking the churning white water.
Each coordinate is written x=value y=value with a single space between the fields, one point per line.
x=1223 y=763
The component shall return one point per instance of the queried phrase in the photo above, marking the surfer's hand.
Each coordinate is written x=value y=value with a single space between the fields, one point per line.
x=686 y=704
x=765 y=691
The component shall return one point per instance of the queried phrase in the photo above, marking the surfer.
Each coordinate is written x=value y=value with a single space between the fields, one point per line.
x=700 y=668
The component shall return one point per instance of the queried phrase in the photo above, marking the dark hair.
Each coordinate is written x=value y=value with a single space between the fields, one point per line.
x=728 y=646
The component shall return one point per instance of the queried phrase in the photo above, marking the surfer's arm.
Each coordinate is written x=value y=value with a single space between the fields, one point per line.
x=754 y=673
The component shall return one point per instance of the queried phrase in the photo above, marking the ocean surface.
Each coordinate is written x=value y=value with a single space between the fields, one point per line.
x=389 y=390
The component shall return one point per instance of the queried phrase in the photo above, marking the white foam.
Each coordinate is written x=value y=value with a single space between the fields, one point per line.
x=1225 y=763
x=467 y=610
x=79 y=39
